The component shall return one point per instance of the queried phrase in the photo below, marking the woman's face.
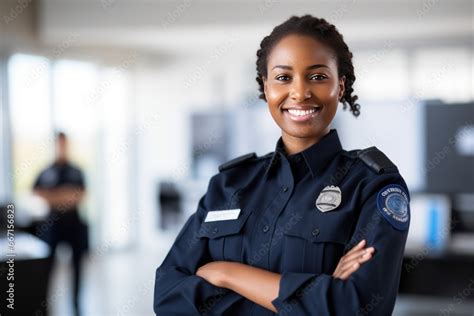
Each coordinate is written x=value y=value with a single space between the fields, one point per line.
x=302 y=87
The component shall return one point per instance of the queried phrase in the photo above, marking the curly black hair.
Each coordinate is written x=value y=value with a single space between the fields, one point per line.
x=322 y=31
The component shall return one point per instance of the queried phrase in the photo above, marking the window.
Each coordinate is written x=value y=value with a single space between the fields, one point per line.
x=89 y=103
x=381 y=75
x=30 y=111
x=443 y=73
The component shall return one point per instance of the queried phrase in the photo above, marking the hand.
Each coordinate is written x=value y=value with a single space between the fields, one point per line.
x=352 y=260
x=213 y=272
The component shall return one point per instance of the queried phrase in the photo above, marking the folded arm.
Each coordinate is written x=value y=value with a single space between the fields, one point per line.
x=64 y=197
x=262 y=286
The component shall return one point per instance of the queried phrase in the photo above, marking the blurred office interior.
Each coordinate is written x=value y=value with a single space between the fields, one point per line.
x=154 y=95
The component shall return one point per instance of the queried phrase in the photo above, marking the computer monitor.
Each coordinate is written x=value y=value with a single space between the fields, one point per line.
x=449 y=148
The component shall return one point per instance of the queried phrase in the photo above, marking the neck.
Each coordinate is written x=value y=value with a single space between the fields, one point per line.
x=295 y=145
x=61 y=161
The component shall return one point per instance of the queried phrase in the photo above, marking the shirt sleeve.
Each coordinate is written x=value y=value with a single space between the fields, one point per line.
x=42 y=182
x=372 y=289
x=78 y=179
x=178 y=291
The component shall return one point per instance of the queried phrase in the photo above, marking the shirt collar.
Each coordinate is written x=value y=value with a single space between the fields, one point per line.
x=316 y=156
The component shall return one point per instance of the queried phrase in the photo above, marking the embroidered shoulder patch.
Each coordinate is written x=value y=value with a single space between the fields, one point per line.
x=392 y=202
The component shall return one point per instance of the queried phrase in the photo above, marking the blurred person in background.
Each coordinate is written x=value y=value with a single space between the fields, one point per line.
x=62 y=186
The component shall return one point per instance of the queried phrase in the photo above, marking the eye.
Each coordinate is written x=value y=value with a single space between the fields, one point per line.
x=282 y=78
x=318 y=77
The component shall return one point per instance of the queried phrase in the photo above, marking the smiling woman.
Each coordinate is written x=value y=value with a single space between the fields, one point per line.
x=304 y=70
x=309 y=229
x=302 y=99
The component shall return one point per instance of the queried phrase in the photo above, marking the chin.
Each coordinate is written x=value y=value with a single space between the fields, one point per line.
x=303 y=132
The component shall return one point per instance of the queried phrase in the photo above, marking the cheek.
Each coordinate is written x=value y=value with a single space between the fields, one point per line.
x=328 y=95
x=333 y=91
x=275 y=95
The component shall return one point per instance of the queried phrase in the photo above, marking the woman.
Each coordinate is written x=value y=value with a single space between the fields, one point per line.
x=310 y=229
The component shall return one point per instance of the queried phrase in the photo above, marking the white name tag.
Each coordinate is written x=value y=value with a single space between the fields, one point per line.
x=222 y=215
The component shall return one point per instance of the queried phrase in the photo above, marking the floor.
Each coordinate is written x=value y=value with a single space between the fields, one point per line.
x=114 y=284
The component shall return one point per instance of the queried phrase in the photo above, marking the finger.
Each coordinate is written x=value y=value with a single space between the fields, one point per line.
x=349 y=257
x=359 y=246
x=344 y=274
x=356 y=249
x=358 y=254
x=349 y=271
x=359 y=260
x=337 y=271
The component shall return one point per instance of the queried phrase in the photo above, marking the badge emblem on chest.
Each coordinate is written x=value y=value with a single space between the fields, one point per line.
x=329 y=198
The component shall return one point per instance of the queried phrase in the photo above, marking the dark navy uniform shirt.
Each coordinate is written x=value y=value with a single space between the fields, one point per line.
x=58 y=175
x=299 y=214
x=64 y=222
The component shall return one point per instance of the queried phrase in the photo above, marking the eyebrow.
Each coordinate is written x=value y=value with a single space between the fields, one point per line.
x=308 y=68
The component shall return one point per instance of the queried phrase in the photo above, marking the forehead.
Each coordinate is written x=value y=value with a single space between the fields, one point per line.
x=294 y=50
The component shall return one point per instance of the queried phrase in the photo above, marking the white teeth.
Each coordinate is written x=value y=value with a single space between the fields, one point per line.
x=301 y=112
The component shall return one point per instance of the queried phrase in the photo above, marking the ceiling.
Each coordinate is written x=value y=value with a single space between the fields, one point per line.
x=187 y=26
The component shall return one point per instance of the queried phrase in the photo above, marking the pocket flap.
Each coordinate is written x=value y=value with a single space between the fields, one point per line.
x=322 y=227
x=224 y=228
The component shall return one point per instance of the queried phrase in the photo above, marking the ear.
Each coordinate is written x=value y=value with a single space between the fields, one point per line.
x=342 y=87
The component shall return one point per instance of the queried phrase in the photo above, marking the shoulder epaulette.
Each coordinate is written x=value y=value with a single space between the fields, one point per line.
x=376 y=160
x=236 y=161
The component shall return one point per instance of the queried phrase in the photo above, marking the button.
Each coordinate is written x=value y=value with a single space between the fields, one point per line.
x=285 y=189
x=315 y=232
x=215 y=230
x=265 y=228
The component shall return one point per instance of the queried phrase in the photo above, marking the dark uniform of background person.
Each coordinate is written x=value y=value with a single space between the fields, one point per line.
x=62 y=186
x=273 y=233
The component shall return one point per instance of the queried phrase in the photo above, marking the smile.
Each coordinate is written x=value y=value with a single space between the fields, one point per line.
x=301 y=112
x=300 y=115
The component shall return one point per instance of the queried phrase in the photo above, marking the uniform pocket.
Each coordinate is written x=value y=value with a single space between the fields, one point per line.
x=225 y=237
x=317 y=242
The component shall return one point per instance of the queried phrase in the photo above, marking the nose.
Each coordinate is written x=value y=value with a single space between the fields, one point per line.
x=299 y=91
